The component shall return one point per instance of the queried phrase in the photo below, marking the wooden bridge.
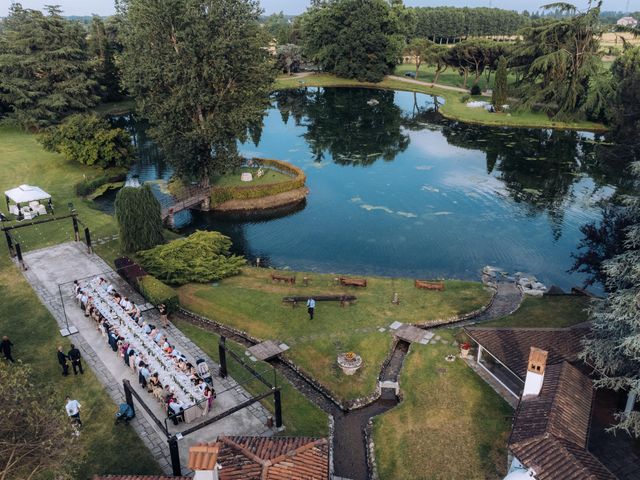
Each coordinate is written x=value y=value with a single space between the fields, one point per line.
x=190 y=197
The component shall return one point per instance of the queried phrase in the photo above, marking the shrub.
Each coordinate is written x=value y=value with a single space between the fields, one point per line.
x=475 y=90
x=222 y=194
x=464 y=98
x=139 y=218
x=156 y=292
x=89 y=139
x=202 y=257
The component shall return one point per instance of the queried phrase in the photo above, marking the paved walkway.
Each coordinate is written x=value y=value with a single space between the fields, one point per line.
x=51 y=272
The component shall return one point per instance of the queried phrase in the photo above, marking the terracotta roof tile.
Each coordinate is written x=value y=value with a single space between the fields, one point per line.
x=550 y=431
x=273 y=458
x=512 y=345
x=203 y=456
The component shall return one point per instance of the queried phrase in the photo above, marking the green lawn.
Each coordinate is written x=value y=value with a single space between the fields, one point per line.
x=449 y=77
x=453 y=108
x=300 y=416
x=232 y=179
x=546 y=312
x=251 y=302
x=105 y=448
x=450 y=424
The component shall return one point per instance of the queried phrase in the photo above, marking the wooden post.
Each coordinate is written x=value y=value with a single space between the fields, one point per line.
x=76 y=231
x=278 y=408
x=19 y=254
x=87 y=236
x=222 y=354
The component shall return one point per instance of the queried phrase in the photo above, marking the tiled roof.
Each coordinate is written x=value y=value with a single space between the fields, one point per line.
x=512 y=345
x=550 y=430
x=273 y=458
x=203 y=456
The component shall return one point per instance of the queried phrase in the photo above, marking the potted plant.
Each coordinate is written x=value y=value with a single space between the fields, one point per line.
x=464 y=349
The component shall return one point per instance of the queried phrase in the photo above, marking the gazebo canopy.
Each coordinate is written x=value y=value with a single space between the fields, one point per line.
x=26 y=194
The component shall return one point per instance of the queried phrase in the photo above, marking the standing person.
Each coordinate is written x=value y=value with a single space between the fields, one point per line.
x=6 y=348
x=311 y=305
x=62 y=360
x=164 y=315
x=75 y=357
x=73 y=411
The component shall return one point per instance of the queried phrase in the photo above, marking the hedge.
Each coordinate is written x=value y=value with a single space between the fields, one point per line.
x=157 y=292
x=222 y=194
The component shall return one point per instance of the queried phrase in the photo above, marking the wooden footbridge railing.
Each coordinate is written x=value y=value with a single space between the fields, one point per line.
x=187 y=198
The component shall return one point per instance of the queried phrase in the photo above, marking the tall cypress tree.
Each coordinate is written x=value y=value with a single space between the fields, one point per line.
x=138 y=214
x=499 y=96
x=45 y=72
x=101 y=50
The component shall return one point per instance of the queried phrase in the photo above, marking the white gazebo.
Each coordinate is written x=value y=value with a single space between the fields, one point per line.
x=26 y=201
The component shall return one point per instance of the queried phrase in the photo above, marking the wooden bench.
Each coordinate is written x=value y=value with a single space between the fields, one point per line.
x=424 y=284
x=282 y=278
x=343 y=299
x=353 y=282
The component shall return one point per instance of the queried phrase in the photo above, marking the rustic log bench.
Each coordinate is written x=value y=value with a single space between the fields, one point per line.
x=343 y=299
x=353 y=282
x=424 y=284
x=282 y=278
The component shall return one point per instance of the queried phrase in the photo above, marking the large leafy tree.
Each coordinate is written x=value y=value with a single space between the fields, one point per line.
x=359 y=39
x=138 y=213
x=557 y=59
x=35 y=436
x=614 y=346
x=625 y=104
x=200 y=75
x=45 y=71
x=419 y=49
x=102 y=49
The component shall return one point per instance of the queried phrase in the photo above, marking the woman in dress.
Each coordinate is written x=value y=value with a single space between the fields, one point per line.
x=208 y=395
x=164 y=315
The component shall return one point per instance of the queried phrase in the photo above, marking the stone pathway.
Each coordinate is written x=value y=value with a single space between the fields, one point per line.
x=507 y=300
x=51 y=271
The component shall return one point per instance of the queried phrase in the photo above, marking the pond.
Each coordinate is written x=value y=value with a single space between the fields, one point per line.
x=397 y=190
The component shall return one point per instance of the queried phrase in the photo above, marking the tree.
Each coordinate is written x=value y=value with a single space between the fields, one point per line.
x=45 y=72
x=279 y=28
x=624 y=110
x=202 y=257
x=139 y=219
x=288 y=58
x=437 y=57
x=102 y=50
x=90 y=140
x=499 y=95
x=613 y=348
x=418 y=49
x=557 y=59
x=359 y=39
x=200 y=75
x=35 y=434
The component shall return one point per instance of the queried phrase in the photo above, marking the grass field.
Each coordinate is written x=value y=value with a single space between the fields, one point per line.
x=449 y=77
x=546 y=312
x=453 y=108
x=105 y=448
x=300 y=416
x=450 y=424
x=232 y=179
x=251 y=302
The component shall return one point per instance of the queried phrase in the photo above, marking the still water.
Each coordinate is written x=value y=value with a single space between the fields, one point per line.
x=397 y=190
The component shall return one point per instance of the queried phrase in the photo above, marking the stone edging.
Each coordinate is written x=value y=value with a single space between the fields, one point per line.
x=370 y=447
x=464 y=316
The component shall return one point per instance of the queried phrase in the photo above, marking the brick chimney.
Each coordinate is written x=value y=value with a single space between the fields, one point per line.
x=535 y=372
x=203 y=460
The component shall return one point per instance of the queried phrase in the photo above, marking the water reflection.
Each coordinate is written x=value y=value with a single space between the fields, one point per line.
x=446 y=199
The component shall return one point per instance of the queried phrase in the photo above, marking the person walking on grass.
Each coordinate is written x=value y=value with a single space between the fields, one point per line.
x=75 y=357
x=6 y=345
x=73 y=411
x=311 y=306
x=62 y=360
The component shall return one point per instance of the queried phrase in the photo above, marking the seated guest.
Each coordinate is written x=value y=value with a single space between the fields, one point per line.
x=143 y=375
x=88 y=306
x=117 y=298
x=125 y=304
x=167 y=394
x=110 y=289
x=158 y=337
x=76 y=287
x=83 y=300
x=176 y=409
x=136 y=313
x=146 y=328
x=182 y=365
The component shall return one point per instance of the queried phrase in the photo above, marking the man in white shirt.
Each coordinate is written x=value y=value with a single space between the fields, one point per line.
x=73 y=411
x=110 y=289
x=311 y=306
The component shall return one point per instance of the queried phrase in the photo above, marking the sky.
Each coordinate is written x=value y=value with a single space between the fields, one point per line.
x=294 y=7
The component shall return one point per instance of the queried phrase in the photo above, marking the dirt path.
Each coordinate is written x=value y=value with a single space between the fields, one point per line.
x=427 y=84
